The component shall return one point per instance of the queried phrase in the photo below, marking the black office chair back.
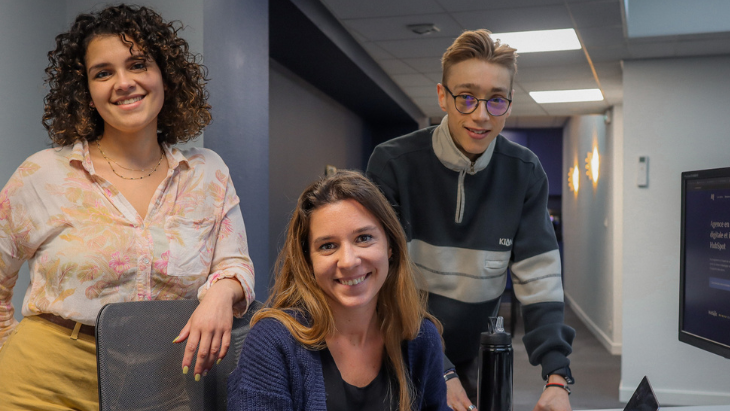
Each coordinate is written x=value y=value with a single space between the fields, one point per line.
x=139 y=367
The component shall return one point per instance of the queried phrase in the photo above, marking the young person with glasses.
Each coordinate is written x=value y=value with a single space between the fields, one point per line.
x=474 y=204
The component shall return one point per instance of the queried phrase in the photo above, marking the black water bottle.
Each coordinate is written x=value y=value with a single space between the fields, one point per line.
x=495 y=368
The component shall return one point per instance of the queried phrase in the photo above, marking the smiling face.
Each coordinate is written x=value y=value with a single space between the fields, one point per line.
x=349 y=254
x=126 y=89
x=472 y=133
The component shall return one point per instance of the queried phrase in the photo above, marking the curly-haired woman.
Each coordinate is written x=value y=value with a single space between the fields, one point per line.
x=114 y=213
x=345 y=327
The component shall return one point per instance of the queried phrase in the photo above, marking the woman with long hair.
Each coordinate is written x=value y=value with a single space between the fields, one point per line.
x=114 y=213
x=345 y=327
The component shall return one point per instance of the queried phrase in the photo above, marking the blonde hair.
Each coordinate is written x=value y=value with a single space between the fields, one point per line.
x=401 y=307
x=477 y=44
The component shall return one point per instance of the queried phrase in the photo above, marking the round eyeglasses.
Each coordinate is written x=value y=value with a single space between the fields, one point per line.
x=467 y=104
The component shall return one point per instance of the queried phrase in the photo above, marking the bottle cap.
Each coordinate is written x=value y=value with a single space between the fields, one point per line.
x=495 y=335
x=488 y=338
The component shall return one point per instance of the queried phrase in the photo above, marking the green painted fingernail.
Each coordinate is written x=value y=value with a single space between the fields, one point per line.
x=219 y=361
x=205 y=373
x=185 y=369
x=197 y=377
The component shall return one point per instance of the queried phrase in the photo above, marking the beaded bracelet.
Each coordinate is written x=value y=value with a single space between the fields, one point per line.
x=555 y=384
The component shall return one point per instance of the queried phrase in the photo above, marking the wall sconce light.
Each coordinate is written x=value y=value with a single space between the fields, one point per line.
x=574 y=179
x=592 y=165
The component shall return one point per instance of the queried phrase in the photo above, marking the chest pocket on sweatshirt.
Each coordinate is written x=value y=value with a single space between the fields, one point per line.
x=191 y=245
x=496 y=264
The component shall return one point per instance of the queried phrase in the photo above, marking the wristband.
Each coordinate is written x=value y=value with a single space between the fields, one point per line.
x=553 y=384
x=563 y=372
x=450 y=375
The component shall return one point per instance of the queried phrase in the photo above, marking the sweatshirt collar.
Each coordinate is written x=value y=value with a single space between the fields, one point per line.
x=451 y=157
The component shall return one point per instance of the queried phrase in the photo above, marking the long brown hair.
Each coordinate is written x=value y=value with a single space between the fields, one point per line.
x=401 y=307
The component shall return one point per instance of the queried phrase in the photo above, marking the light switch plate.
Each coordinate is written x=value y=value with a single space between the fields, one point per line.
x=642 y=172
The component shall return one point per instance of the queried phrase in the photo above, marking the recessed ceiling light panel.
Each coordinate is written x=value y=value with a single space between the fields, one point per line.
x=566 y=96
x=540 y=40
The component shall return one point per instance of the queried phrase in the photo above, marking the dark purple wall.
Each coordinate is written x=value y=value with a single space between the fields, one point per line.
x=547 y=144
x=236 y=43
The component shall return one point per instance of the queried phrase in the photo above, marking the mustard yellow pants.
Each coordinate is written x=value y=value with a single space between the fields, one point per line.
x=43 y=368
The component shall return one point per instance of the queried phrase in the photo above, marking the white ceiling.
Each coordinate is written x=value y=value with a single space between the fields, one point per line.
x=413 y=61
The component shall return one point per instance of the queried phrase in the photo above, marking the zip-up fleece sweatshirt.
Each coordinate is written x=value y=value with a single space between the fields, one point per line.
x=466 y=224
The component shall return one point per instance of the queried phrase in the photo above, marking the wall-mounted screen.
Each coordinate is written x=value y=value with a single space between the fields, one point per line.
x=704 y=307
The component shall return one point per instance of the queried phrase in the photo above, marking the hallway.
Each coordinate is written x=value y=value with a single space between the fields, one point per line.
x=596 y=371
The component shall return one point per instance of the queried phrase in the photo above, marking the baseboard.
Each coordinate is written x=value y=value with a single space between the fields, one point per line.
x=669 y=397
x=613 y=347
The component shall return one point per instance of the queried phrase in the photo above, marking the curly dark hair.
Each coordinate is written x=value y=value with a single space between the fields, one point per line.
x=67 y=115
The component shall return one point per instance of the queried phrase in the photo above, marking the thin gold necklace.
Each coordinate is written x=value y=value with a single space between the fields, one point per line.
x=110 y=161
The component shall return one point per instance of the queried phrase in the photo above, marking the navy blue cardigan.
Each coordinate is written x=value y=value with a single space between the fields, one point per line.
x=275 y=372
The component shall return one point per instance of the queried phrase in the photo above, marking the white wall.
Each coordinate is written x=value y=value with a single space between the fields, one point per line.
x=675 y=112
x=28 y=29
x=615 y=146
x=588 y=228
x=308 y=130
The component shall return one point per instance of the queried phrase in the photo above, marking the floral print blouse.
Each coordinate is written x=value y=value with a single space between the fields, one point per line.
x=86 y=245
